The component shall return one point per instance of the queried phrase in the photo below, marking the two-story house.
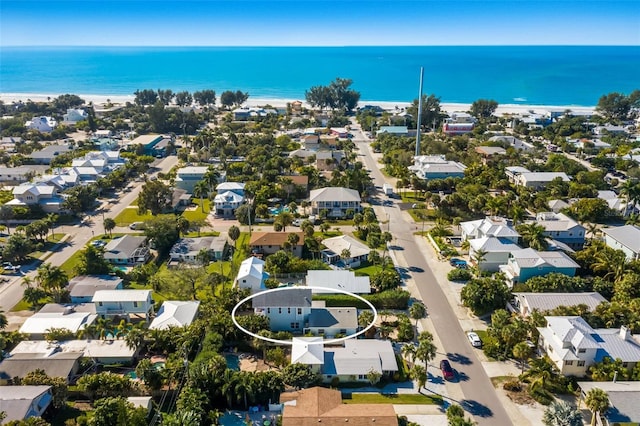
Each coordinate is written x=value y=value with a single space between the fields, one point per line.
x=287 y=309
x=43 y=195
x=336 y=246
x=188 y=177
x=226 y=203
x=335 y=202
x=560 y=227
x=527 y=263
x=252 y=275
x=497 y=227
x=123 y=303
x=265 y=243
x=574 y=346
x=74 y=115
x=436 y=167
x=83 y=287
x=625 y=238
x=42 y=124
x=18 y=403
x=496 y=252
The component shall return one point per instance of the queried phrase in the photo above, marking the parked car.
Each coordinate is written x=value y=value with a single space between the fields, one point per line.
x=474 y=339
x=98 y=243
x=9 y=267
x=137 y=225
x=447 y=370
x=458 y=263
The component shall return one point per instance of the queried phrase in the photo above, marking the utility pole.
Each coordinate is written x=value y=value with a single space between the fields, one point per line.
x=419 y=121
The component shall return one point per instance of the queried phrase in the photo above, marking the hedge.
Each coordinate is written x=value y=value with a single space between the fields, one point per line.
x=390 y=299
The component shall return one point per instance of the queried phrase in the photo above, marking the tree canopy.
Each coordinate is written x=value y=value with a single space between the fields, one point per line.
x=337 y=95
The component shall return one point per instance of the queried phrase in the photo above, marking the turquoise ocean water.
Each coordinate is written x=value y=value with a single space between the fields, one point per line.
x=537 y=75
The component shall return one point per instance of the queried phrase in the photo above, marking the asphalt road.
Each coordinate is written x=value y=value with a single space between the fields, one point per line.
x=11 y=292
x=480 y=398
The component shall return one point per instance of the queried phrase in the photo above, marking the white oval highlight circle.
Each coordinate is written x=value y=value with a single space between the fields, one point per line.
x=290 y=342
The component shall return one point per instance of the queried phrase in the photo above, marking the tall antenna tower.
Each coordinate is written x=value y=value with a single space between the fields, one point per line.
x=419 y=113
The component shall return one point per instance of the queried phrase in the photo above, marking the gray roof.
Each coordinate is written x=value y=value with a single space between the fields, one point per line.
x=494 y=245
x=548 y=301
x=623 y=398
x=556 y=221
x=334 y=194
x=333 y=317
x=50 y=151
x=613 y=346
x=87 y=285
x=123 y=247
x=16 y=401
x=627 y=235
x=60 y=364
x=286 y=297
x=51 y=308
x=359 y=356
x=529 y=258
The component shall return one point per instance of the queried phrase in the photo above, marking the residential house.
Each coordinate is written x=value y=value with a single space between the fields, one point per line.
x=45 y=196
x=618 y=205
x=63 y=178
x=127 y=250
x=453 y=129
x=237 y=187
x=188 y=250
x=573 y=346
x=561 y=227
x=54 y=362
x=324 y=406
x=188 y=177
x=513 y=172
x=83 y=287
x=488 y=152
x=123 y=303
x=42 y=124
x=496 y=252
x=310 y=142
x=49 y=152
x=251 y=113
x=527 y=263
x=175 y=313
x=343 y=280
x=393 y=130
x=150 y=144
x=526 y=303
x=20 y=174
x=265 y=243
x=226 y=203
x=296 y=184
x=436 y=167
x=327 y=161
x=335 y=202
x=514 y=142
x=557 y=205
x=497 y=227
x=521 y=176
x=101 y=351
x=358 y=252
x=58 y=316
x=252 y=275
x=288 y=309
x=21 y=402
x=74 y=115
x=624 y=409
x=331 y=322
x=625 y=238
x=8 y=143
x=357 y=358
x=308 y=351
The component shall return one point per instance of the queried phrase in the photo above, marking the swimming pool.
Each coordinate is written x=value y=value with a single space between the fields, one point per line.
x=233 y=362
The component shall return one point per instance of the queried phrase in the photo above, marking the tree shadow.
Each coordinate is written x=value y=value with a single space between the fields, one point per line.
x=415 y=269
x=459 y=358
x=460 y=377
x=396 y=248
x=475 y=408
x=436 y=380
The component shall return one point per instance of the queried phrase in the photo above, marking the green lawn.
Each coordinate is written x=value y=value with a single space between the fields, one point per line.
x=377 y=398
x=197 y=214
x=52 y=240
x=69 y=265
x=369 y=270
x=195 y=234
x=219 y=267
x=130 y=215
x=411 y=197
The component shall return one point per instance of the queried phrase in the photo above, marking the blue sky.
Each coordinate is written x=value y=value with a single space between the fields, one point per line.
x=318 y=22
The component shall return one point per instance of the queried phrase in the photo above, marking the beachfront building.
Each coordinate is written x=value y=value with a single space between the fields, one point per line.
x=123 y=303
x=573 y=346
x=625 y=238
x=252 y=275
x=45 y=196
x=42 y=124
x=74 y=115
x=335 y=202
x=560 y=227
x=266 y=243
x=528 y=263
x=188 y=177
x=497 y=227
x=358 y=252
x=526 y=303
x=436 y=167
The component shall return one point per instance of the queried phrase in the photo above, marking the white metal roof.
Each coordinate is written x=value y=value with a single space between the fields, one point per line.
x=121 y=295
x=175 y=313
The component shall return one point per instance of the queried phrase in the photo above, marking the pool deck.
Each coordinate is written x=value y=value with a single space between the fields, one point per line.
x=235 y=417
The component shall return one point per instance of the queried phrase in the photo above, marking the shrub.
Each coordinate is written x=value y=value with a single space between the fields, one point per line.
x=512 y=386
x=459 y=274
x=335 y=382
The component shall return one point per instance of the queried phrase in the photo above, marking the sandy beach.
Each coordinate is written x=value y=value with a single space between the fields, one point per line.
x=502 y=109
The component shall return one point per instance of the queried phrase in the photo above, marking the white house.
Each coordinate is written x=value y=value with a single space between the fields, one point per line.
x=226 y=203
x=123 y=303
x=174 y=313
x=74 y=115
x=101 y=351
x=339 y=279
x=20 y=174
x=619 y=205
x=21 y=402
x=516 y=143
x=357 y=358
x=521 y=176
x=436 y=167
x=308 y=351
x=526 y=303
x=497 y=227
x=43 y=195
x=252 y=275
x=527 y=263
x=496 y=252
x=237 y=187
x=287 y=310
x=561 y=227
x=623 y=396
x=188 y=177
x=42 y=124
x=187 y=250
x=335 y=246
x=625 y=238
x=57 y=316
x=337 y=202
x=574 y=346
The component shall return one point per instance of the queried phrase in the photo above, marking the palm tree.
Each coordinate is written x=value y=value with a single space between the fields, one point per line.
x=3 y=320
x=598 y=402
x=409 y=352
x=417 y=311
x=478 y=257
x=613 y=263
x=200 y=190
x=234 y=234
x=521 y=351
x=51 y=220
x=365 y=318
x=593 y=229
x=285 y=219
x=53 y=280
x=419 y=374
x=109 y=224
x=560 y=413
x=426 y=350
x=533 y=235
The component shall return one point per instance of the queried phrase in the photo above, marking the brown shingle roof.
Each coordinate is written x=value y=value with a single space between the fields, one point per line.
x=273 y=238
x=324 y=406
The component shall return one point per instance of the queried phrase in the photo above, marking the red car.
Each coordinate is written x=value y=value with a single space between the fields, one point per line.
x=447 y=370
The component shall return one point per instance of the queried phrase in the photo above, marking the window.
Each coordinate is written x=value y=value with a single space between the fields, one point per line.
x=625 y=364
x=299 y=311
x=288 y=310
x=321 y=331
x=581 y=351
x=580 y=363
x=295 y=325
x=99 y=303
x=268 y=310
x=279 y=310
x=135 y=304
x=568 y=363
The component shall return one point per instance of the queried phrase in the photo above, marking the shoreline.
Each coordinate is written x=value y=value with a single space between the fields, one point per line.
x=448 y=107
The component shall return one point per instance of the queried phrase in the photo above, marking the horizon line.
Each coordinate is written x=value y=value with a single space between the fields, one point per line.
x=310 y=46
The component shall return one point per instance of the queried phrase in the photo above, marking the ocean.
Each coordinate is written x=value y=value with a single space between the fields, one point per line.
x=531 y=75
